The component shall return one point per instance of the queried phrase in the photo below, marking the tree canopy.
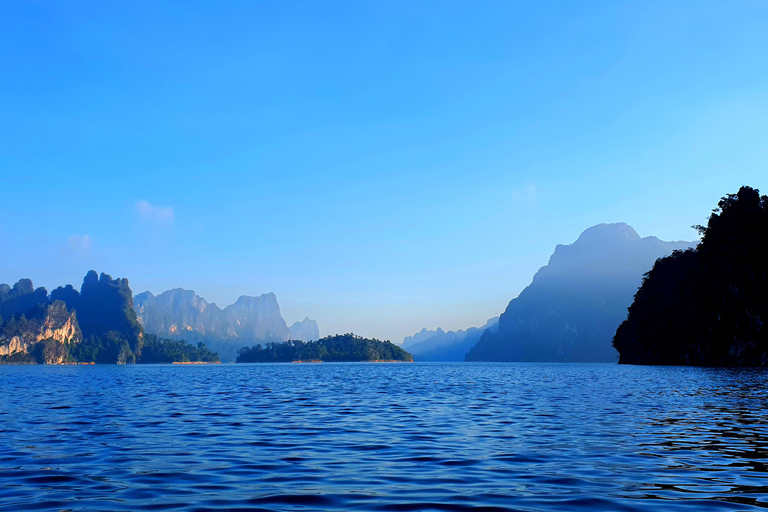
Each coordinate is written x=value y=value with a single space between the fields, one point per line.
x=339 y=348
x=709 y=305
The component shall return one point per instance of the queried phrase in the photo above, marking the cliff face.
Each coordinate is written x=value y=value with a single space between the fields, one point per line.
x=182 y=314
x=575 y=303
x=44 y=334
x=708 y=306
x=104 y=308
x=306 y=330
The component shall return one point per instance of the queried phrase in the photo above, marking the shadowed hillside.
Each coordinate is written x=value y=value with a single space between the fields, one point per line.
x=572 y=308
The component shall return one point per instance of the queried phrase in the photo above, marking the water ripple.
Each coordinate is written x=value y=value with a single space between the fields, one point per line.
x=443 y=437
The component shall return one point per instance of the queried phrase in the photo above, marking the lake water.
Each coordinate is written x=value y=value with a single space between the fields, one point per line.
x=392 y=437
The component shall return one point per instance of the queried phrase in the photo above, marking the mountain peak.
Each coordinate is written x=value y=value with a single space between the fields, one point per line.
x=607 y=233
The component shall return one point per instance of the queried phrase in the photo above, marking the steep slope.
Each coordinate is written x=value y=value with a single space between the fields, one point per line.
x=104 y=305
x=21 y=298
x=43 y=334
x=439 y=345
x=306 y=330
x=575 y=303
x=707 y=306
x=182 y=314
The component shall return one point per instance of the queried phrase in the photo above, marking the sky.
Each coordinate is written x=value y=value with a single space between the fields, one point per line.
x=380 y=166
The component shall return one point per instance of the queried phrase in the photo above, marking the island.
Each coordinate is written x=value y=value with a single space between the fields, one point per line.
x=339 y=348
x=706 y=306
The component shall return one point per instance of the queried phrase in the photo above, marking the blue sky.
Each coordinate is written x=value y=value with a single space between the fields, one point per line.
x=380 y=166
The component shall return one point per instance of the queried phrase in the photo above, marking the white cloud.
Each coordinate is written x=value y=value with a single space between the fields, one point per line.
x=79 y=243
x=525 y=197
x=162 y=215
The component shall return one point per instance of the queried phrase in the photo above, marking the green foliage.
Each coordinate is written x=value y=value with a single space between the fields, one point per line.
x=339 y=348
x=160 y=350
x=104 y=310
x=707 y=306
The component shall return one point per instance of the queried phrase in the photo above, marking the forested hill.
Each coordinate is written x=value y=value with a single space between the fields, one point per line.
x=707 y=306
x=339 y=348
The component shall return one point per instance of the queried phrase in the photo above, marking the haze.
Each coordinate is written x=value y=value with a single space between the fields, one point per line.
x=380 y=166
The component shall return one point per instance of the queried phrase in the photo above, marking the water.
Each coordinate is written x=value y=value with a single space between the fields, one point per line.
x=392 y=437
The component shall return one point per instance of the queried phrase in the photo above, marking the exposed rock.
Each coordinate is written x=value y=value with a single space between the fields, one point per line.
x=182 y=314
x=47 y=332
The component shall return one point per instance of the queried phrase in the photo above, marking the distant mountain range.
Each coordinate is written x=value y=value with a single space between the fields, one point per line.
x=572 y=308
x=182 y=314
x=440 y=345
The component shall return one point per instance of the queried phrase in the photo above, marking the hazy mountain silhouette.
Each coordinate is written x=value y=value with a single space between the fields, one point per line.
x=182 y=314
x=572 y=308
x=306 y=330
x=440 y=345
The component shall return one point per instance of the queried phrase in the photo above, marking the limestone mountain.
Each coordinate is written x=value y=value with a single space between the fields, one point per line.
x=42 y=334
x=21 y=298
x=182 y=314
x=574 y=304
x=440 y=345
x=103 y=306
x=306 y=330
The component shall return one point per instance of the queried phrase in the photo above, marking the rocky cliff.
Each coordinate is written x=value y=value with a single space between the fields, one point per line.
x=182 y=314
x=44 y=333
x=575 y=303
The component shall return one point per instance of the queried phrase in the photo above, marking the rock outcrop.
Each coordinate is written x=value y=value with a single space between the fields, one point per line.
x=182 y=314
x=45 y=333
x=575 y=303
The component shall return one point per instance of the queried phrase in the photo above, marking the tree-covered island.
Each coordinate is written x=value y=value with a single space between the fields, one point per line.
x=339 y=348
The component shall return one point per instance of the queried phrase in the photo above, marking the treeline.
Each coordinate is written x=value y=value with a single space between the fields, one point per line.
x=162 y=350
x=707 y=306
x=339 y=348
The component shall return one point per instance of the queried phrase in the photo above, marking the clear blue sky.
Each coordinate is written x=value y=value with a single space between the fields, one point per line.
x=380 y=166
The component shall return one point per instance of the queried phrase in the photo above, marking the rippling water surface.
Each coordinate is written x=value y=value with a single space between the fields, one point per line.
x=395 y=437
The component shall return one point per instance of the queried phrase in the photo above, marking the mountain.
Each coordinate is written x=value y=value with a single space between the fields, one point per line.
x=306 y=330
x=42 y=334
x=95 y=324
x=182 y=314
x=21 y=298
x=574 y=304
x=439 y=345
x=707 y=306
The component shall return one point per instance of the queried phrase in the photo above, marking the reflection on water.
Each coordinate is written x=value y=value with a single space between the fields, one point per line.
x=396 y=437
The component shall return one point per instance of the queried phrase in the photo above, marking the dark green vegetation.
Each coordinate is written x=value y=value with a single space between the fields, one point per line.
x=706 y=306
x=339 y=348
x=97 y=324
x=160 y=350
